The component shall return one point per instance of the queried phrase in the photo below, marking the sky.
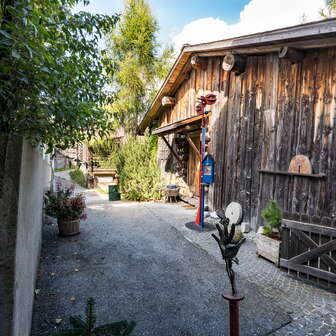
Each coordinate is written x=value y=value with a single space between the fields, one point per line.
x=197 y=21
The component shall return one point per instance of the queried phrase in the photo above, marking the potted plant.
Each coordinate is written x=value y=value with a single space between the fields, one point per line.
x=68 y=208
x=268 y=237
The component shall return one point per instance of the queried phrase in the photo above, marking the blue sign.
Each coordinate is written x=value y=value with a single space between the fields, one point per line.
x=208 y=169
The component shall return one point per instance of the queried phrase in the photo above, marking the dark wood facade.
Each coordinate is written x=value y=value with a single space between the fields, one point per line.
x=276 y=109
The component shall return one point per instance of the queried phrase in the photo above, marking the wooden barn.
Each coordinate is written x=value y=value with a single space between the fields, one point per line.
x=276 y=98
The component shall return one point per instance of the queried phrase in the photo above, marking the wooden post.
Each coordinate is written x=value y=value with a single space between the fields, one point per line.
x=191 y=143
x=199 y=63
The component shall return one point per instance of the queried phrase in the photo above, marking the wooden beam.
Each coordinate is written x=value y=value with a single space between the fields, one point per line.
x=168 y=101
x=172 y=150
x=291 y=54
x=278 y=172
x=323 y=230
x=308 y=270
x=273 y=48
x=314 y=252
x=235 y=63
x=191 y=143
x=318 y=29
x=179 y=124
x=199 y=63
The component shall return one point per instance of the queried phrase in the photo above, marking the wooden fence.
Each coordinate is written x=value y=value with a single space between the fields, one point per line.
x=308 y=252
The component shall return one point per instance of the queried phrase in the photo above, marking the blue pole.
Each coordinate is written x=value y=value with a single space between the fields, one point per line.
x=202 y=157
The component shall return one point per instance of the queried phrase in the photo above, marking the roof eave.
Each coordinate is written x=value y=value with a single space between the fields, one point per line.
x=298 y=32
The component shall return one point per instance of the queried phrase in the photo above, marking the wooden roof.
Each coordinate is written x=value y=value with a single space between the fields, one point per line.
x=305 y=36
x=179 y=125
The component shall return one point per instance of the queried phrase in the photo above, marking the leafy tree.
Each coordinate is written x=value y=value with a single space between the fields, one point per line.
x=51 y=74
x=138 y=66
x=86 y=326
x=330 y=11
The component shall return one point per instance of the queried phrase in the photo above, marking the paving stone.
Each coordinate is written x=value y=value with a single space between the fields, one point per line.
x=313 y=309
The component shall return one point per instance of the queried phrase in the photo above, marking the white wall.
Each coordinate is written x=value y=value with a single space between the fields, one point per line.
x=34 y=179
x=24 y=175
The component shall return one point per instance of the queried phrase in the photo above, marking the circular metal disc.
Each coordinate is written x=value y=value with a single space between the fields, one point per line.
x=234 y=213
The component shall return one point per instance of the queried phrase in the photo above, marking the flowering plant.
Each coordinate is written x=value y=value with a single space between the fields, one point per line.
x=64 y=204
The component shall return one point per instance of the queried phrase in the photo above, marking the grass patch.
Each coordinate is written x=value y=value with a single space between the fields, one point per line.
x=101 y=191
x=62 y=169
x=78 y=177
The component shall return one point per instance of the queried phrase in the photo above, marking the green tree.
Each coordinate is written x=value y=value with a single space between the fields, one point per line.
x=330 y=10
x=139 y=174
x=138 y=66
x=51 y=73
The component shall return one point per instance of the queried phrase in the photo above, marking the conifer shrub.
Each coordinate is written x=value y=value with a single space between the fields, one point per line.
x=86 y=326
x=139 y=174
x=272 y=215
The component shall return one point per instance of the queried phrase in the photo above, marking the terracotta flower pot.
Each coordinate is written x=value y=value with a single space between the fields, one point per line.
x=68 y=227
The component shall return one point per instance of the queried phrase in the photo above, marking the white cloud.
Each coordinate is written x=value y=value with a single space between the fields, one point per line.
x=257 y=16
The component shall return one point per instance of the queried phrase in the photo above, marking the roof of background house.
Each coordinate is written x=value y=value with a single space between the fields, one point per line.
x=304 y=36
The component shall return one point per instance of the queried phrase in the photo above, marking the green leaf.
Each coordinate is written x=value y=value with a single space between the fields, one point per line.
x=4 y=33
x=29 y=50
x=16 y=54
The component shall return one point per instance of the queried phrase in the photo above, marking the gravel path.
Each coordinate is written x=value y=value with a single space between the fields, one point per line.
x=135 y=263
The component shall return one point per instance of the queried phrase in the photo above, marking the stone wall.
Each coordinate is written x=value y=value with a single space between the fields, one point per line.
x=24 y=175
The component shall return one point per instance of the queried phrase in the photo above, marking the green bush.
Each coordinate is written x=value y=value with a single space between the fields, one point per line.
x=139 y=174
x=272 y=215
x=78 y=177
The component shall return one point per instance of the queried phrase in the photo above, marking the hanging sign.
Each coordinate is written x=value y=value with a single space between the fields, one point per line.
x=208 y=170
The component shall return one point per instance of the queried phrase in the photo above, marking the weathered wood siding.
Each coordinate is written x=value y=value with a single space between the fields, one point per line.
x=265 y=116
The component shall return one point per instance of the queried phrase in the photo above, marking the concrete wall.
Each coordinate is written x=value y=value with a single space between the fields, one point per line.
x=24 y=175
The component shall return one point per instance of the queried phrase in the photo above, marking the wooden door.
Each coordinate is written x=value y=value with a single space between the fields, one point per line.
x=308 y=252
x=194 y=166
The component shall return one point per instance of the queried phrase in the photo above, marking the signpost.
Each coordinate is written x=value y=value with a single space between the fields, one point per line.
x=209 y=99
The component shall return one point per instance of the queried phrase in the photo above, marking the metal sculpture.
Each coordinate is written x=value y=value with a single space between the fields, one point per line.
x=228 y=247
x=209 y=99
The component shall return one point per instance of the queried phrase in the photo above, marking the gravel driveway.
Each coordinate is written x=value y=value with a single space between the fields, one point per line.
x=141 y=268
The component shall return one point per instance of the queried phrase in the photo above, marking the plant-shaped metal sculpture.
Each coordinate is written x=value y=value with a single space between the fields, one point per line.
x=86 y=326
x=229 y=248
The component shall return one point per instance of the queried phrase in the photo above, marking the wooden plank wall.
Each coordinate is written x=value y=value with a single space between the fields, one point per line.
x=264 y=117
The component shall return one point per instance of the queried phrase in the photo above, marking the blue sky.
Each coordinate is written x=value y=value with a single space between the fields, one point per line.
x=173 y=15
x=196 y=21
